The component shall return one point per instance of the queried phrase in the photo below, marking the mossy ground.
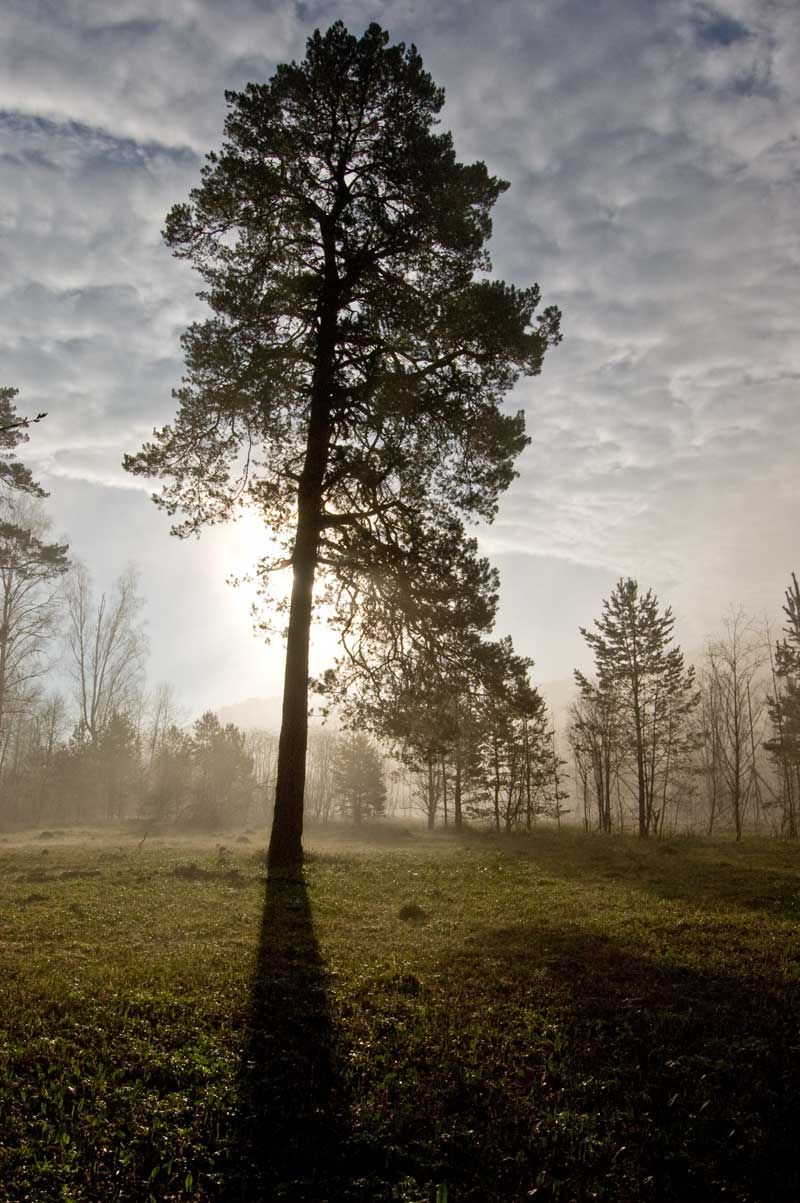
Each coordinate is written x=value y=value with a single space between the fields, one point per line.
x=556 y=1018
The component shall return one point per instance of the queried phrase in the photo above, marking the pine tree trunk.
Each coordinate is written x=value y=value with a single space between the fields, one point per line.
x=641 y=773
x=285 y=846
x=431 y=793
x=286 y=842
x=527 y=754
x=496 y=784
x=4 y=636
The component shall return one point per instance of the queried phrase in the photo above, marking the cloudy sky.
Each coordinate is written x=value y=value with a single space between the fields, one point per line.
x=653 y=150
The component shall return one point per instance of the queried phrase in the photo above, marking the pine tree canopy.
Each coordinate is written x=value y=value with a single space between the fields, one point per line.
x=339 y=240
x=13 y=474
x=643 y=691
x=348 y=384
x=631 y=644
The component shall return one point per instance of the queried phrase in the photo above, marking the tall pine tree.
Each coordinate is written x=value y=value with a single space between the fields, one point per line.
x=348 y=384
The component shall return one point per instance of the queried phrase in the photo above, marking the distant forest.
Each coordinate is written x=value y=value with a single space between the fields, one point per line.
x=649 y=744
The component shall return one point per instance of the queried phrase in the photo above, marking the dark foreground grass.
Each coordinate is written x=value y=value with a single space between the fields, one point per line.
x=561 y=1018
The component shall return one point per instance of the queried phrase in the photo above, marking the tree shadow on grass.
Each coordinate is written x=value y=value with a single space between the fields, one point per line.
x=689 y=1076
x=290 y=1133
x=685 y=869
x=724 y=886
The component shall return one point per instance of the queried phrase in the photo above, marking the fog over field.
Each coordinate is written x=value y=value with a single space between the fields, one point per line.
x=652 y=156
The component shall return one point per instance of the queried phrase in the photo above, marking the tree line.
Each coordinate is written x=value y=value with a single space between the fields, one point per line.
x=107 y=749
x=659 y=747
x=458 y=731
x=348 y=387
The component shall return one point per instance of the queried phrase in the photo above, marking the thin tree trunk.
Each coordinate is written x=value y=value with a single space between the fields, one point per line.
x=526 y=752
x=755 y=782
x=457 y=819
x=605 y=792
x=788 y=788
x=666 y=782
x=585 y=785
x=714 y=776
x=641 y=771
x=496 y=764
x=620 y=809
x=4 y=635
x=556 y=781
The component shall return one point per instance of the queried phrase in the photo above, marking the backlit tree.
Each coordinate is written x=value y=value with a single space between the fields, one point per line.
x=348 y=383
x=642 y=675
x=358 y=778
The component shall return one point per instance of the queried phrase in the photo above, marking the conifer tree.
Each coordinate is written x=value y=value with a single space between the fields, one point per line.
x=358 y=778
x=651 y=688
x=348 y=384
x=784 y=708
x=13 y=474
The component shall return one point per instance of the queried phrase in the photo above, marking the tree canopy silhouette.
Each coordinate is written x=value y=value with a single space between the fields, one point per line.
x=13 y=427
x=643 y=691
x=348 y=384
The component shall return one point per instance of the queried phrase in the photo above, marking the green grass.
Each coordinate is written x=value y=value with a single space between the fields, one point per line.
x=559 y=1018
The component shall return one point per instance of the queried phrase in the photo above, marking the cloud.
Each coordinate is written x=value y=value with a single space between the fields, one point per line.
x=150 y=73
x=653 y=156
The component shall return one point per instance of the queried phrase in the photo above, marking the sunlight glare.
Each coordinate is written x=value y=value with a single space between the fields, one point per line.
x=245 y=542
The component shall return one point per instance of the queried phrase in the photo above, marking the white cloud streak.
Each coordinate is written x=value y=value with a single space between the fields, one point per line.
x=654 y=155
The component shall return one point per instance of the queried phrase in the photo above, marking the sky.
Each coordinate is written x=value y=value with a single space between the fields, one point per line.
x=653 y=152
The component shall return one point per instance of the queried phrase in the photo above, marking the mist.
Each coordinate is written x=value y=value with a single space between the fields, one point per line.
x=399 y=611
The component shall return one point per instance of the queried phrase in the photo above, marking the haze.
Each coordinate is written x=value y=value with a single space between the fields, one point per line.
x=652 y=154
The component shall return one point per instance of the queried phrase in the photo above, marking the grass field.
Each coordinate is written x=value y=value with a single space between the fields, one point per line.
x=555 y=1018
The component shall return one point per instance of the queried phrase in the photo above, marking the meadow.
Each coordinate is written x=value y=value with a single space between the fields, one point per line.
x=560 y=1017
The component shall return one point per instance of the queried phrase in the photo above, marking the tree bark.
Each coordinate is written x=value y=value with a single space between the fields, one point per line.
x=644 y=828
x=496 y=785
x=457 y=819
x=286 y=842
x=432 y=791
x=527 y=755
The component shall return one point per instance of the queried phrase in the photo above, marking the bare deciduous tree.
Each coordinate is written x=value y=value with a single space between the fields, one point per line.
x=734 y=705
x=595 y=737
x=29 y=573
x=106 y=648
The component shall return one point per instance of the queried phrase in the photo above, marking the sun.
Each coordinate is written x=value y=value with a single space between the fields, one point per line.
x=246 y=541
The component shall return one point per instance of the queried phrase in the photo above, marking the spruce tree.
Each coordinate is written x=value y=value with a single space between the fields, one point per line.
x=358 y=778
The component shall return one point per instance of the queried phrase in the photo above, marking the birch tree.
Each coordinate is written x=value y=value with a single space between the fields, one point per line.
x=106 y=648
x=734 y=704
